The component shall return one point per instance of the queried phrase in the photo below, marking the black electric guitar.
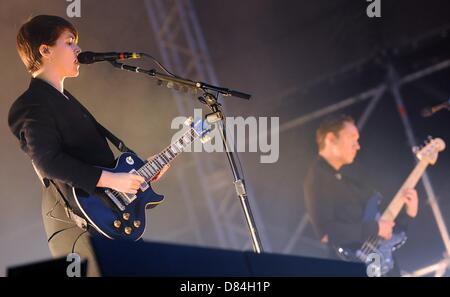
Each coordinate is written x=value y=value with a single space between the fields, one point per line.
x=118 y=215
x=376 y=246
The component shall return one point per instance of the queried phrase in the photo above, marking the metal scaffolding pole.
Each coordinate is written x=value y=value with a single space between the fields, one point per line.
x=303 y=119
x=370 y=108
x=183 y=49
x=165 y=24
x=395 y=90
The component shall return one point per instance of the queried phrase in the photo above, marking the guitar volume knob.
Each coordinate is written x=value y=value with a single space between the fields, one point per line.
x=117 y=223
x=137 y=223
x=128 y=230
x=126 y=216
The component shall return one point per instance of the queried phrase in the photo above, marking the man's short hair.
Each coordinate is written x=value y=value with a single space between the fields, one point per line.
x=42 y=29
x=332 y=124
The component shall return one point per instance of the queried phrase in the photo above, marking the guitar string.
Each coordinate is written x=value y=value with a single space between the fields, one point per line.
x=371 y=244
x=190 y=138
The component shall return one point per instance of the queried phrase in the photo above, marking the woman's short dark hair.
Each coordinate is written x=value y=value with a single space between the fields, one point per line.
x=332 y=124
x=41 y=29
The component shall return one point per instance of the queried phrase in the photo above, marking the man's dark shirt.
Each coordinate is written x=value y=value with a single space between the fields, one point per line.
x=336 y=205
x=59 y=135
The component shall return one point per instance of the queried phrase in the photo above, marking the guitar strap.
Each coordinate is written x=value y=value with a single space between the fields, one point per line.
x=79 y=221
x=119 y=144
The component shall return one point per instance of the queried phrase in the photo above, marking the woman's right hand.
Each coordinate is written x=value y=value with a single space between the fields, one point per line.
x=121 y=182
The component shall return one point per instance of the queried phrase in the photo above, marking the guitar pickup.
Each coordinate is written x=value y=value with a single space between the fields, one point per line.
x=115 y=200
x=127 y=198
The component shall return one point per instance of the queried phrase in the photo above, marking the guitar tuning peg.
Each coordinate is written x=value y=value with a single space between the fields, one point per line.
x=415 y=149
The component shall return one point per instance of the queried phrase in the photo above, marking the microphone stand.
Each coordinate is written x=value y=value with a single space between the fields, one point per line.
x=216 y=115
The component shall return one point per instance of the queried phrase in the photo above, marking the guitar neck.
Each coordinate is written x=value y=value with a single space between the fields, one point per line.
x=155 y=165
x=397 y=203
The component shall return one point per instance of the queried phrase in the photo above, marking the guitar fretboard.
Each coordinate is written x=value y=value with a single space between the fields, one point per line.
x=397 y=202
x=155 y=165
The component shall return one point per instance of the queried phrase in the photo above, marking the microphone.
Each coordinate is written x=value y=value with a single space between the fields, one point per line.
x=91 y=57
x=429 y=111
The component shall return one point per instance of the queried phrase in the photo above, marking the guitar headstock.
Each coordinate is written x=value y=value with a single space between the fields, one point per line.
x=429 y=152
x=200 y=127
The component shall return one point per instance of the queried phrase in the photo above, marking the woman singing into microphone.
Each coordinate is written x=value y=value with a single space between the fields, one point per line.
x=60 y=135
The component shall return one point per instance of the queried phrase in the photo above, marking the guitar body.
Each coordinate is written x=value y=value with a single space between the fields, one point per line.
x=122 y=217
x=383 y=248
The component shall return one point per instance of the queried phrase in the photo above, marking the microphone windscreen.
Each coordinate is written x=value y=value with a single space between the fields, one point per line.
x=86 y=58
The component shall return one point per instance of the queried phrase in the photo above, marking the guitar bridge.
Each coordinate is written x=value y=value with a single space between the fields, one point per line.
x=127 y=198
